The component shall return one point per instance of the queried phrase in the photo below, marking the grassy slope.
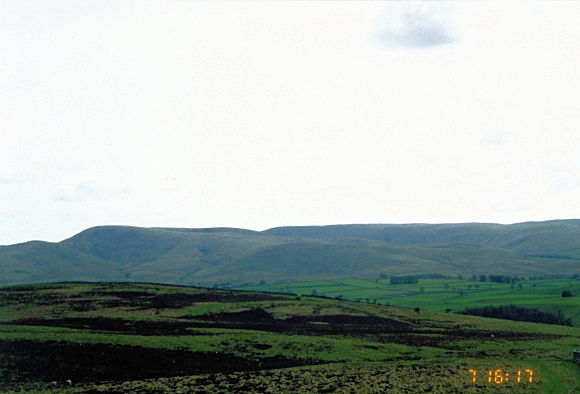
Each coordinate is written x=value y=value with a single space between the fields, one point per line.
x=543 y=238
x=354 y=346
x=42 y=261
x=317 y=259
x=208 y=256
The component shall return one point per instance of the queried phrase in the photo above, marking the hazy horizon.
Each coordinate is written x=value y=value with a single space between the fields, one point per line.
x=281 y=226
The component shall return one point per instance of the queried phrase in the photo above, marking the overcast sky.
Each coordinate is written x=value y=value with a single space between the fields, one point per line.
x=260 y=114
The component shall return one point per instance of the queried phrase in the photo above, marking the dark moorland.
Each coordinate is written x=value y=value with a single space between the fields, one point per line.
x=115 y=337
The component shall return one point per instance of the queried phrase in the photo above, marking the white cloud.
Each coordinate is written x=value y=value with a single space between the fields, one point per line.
x=416 y=25
x=494 y=137
x=14 y=177
x=80 y=193
x=563 y=180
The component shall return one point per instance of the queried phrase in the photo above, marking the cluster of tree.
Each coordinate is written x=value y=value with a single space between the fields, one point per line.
x=501 y=278
x=567 y=293
x=512 y=312
x=538 y=277
x=316 y=294
x=400 y=280
x=496 y=278
x=576 y=276
x=435 y=276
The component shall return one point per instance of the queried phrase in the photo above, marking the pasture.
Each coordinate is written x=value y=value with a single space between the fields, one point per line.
x=446 y=294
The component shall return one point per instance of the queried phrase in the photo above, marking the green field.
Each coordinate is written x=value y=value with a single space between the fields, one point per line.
x=156 y=338
x=439 y=295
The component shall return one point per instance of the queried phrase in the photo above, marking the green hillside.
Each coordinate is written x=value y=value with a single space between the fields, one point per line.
x=553 y=237
x=237 y=256
x=37 y=261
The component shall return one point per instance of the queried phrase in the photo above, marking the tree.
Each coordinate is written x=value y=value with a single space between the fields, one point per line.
x=566 y=293
x=399 y=280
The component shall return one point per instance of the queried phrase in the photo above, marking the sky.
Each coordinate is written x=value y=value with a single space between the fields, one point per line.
x=263 y=114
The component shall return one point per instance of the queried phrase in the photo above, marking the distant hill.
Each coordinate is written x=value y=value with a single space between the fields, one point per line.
x=229 y=255
x=554 y=237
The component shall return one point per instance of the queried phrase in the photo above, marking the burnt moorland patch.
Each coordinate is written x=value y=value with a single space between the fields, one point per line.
x=176 y=299
x=259 y=319
x=85 y=362
x=119 y=326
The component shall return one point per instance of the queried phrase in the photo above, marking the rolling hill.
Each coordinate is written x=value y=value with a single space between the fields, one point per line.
x=229 y=255
x=554 y=237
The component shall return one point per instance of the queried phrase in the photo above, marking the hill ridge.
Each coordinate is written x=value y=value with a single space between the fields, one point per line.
x=205 y=256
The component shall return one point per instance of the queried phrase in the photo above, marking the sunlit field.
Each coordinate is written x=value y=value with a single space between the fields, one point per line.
x=440 y=295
